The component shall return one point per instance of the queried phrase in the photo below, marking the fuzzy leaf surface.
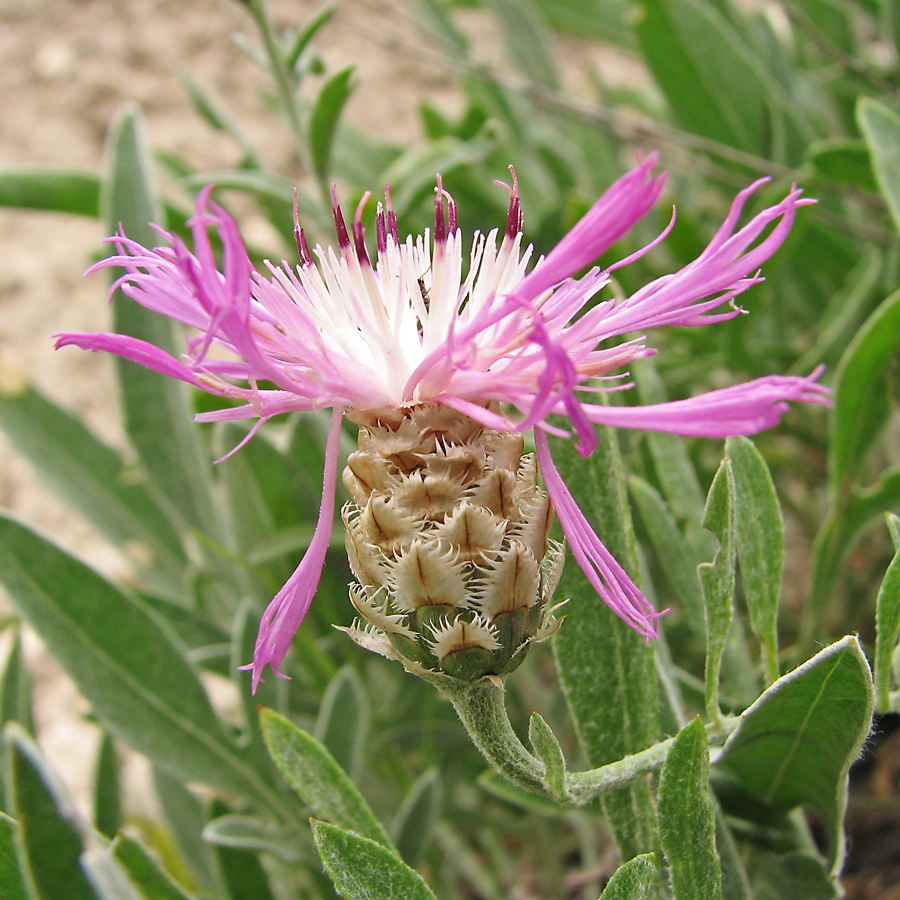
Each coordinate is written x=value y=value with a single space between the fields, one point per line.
x=687 y=822
x=123 y=662
x=366 y=870
x=315 y=775
x=796 y=743
x=759 y=537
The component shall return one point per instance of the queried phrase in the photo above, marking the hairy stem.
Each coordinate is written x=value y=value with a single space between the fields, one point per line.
x=482 y=708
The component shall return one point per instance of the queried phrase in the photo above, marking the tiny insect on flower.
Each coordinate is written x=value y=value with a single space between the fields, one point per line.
x=443 y=370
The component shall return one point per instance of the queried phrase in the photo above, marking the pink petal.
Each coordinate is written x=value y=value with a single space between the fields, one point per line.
x=741 y=409
x=136 y=350
x=613 y=215
x=606 y=576
x=284 y=614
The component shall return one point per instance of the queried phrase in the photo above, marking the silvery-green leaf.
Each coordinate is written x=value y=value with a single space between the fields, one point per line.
x=362 y=869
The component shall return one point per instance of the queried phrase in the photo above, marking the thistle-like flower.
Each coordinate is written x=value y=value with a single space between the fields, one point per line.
x=444 y=369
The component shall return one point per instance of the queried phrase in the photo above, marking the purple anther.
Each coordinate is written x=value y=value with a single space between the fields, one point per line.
x=339 y=226
x=380 y=231
x=299 y=236
x=440 y=227
x=514 y=219
x=391 y=215
x=451 y=216
x=359 y=232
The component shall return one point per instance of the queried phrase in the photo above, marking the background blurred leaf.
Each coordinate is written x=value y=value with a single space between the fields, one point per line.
x=862 y=400
x=527 y=40
x=153 y=882
x=12 y=878
x=122 y=661
x=93 y=478
x=50 y=838
x=323 y=120
x=157 y=411
x=184 y=815
x=414 y=821
x=107 y=788
x=342 y=725
x=715 y=82
x=881 y=129
x=676 y=557
x=51 y=189
x=15 y=688
x=240 y=870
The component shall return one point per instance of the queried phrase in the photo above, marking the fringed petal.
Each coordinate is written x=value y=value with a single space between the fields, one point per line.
x=606 y=576
x=626 y=202
x=137 y=351
x=741 y=409
x=284 y=614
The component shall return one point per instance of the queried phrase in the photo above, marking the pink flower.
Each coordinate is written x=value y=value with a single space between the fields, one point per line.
x=504 y=346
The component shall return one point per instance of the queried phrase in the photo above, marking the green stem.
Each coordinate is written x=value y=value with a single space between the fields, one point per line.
x=482 y=708
x=280 y=73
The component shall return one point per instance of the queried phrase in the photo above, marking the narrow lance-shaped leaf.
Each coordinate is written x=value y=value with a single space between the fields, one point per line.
x=142 y=869
x=547 y=749
x=89 y=475
x=759 y=537
x=12 y=878
x=217 y=118
x=862 y=402
x=15 y=688
x=343 y=721
x=365 y=870
x=415 y=819
x=157 y=412
x=674 y=468
x=107 y=788
x=717 y=580
x=893 y=524
x=881 y=129
x=55 y=190
x=313 y=773
x=676 y=557
x=303 y=39
x=324 y=118
x=687 y=824
x=796 y=743
x=607 y=671
x=50 y=838
x=125 y=664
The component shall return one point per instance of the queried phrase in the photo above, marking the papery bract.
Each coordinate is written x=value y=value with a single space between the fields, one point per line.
x=496 y=343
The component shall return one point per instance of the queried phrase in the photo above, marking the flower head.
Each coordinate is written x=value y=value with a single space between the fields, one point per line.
x=499 y=346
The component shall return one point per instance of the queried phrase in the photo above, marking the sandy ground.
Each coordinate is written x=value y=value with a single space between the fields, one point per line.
x=66 y=68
